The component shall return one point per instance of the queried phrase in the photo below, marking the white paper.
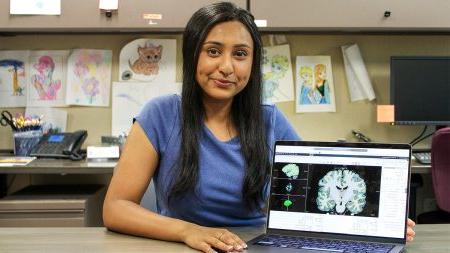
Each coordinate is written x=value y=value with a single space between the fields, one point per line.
x=315 y=86
x=358 y=80
x=278 y=83
x=14 y=71
x=148 y=60
x=129 y=98
x=47 y=79
x=109 y=4
x=89 y=77
x=55 y=119
x=35 y=7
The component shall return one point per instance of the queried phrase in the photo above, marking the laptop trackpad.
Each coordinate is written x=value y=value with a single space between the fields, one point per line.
x=265 y=249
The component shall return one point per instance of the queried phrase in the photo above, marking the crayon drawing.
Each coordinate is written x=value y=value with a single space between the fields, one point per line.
x=278 y=84
x=89 y=77
x=13 y=78
x=148 y=60
x=129 y=98
x=315 y=89
x=47 y=86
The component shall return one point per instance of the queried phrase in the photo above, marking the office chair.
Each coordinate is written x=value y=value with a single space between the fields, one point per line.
x=440 y=173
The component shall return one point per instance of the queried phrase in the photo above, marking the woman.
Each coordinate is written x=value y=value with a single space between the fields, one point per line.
x=208 y=151
x=46 y=87
x=322 y=90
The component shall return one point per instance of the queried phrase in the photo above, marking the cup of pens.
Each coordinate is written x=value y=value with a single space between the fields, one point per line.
x=25 y=141
x=27 y=132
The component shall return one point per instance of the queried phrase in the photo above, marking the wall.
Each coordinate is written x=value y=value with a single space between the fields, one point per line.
x=376 y=51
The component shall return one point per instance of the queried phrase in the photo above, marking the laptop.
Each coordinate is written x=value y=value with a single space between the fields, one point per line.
x=337 y=197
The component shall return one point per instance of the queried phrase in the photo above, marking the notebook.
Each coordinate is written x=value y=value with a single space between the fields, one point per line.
x=337 y=197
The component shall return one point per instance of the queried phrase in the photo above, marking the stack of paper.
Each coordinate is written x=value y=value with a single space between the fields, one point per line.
x=8 y=161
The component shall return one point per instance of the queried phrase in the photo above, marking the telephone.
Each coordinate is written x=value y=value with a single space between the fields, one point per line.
x=60 y=145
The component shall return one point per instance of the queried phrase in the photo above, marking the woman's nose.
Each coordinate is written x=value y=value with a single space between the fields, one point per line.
x=226 y=66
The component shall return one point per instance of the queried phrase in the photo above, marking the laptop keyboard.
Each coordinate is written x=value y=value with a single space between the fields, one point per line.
x=322 y=244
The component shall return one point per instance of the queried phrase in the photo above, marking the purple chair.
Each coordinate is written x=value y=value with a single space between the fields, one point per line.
x=440 y=173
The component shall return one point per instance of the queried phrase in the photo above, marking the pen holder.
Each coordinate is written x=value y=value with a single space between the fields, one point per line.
x=25 y=141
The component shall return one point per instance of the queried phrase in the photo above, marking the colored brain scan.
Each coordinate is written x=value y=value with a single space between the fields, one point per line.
x=291 y=170
x=341 y=191
x=289 y=187
x=287 y=203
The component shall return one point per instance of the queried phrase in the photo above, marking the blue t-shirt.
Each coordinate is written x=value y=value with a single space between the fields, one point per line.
x=218 y=199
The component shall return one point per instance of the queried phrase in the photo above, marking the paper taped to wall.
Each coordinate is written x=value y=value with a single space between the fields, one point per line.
x=128 y=98
x=358 y=80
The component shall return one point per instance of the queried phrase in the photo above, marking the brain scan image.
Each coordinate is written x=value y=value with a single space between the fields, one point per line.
x=287 y=203
x=341 y=191
x=289 y=187
x=291 y=170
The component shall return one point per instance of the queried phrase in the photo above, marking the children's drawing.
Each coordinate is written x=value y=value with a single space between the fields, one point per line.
x=89 y=77
x=315 y=89
x=278 y=85
x=13 y=71
x=148 y=60
x=47 y=78
x=15 y=67
x=129 y=98
x=46 y=87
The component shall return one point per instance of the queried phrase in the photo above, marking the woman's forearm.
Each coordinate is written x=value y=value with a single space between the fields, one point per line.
x=128 y=217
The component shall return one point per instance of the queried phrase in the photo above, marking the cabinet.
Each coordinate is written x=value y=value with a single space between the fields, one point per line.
x=53 y=206
x=85 y=16
x=353 y=15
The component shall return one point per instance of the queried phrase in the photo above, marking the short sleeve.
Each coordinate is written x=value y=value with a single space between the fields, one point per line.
x=158 y=118
x=283 y=129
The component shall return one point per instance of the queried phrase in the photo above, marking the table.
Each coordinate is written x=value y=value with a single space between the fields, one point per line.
x=61 y=166
x=430 y=238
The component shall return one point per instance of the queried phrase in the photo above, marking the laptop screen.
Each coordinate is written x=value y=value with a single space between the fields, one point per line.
x=344 y=188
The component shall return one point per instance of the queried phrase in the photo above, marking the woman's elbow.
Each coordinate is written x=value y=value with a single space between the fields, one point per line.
x=108 y=214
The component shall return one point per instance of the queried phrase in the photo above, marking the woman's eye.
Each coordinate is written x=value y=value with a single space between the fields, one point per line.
x=241 y=53
x=213 y=51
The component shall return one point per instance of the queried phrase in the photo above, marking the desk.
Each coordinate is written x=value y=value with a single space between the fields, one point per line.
x=81 y=209
x=430 y=238
x=60 y=166
x=418 y=168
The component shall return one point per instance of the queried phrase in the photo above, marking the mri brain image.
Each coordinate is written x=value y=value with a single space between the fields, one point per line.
x=291 y=170
x=289 y=187
x=341 y=191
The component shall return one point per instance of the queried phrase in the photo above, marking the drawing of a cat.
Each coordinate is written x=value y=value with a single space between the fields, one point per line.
x=148 y=61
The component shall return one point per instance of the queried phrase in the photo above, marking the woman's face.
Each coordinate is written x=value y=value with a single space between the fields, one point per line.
x=225 y=61
x=305 y=76
x=323 y=74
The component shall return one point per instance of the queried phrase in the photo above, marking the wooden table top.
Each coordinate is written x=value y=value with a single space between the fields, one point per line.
x=61 y=166
x=429 y=238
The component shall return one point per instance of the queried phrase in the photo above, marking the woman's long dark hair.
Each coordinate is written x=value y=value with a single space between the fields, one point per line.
x=246 y=110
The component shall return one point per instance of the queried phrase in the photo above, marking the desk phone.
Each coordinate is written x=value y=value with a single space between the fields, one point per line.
x=60 y=145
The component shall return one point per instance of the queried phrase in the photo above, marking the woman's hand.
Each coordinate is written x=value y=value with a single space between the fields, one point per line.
x=410 y=231
x=209 y=240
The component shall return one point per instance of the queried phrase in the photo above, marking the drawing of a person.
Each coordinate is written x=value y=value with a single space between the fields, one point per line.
x=319 y=92
x=279 y=65
x=306 y=83
x=46 y=87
